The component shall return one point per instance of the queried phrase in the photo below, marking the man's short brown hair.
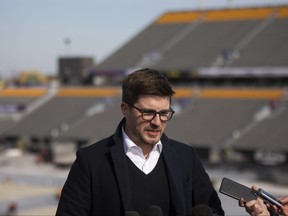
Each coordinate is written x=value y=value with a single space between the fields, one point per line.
x=145 y=82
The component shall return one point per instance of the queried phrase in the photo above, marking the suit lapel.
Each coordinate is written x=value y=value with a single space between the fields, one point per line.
x=174 y=176
x=121 y=169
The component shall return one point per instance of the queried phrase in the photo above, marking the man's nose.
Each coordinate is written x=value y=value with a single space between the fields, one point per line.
x=156 y=120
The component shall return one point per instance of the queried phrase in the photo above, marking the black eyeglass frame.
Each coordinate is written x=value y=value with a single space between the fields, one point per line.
x=150 y=112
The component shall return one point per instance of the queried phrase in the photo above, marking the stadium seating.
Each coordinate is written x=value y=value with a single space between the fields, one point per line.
x=14 y=103
x=241 y=118
x=187 y=40
x=57 y=114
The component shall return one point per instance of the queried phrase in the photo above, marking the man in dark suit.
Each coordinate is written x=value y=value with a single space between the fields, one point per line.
x=138 y=166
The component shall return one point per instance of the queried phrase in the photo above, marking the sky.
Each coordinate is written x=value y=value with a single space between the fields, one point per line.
x=34 y=33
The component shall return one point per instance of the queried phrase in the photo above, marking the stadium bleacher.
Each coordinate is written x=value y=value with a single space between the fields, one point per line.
x=14 y=102
x=52 y=116
x=212 y=120
x=271 y=132
x=190 y=39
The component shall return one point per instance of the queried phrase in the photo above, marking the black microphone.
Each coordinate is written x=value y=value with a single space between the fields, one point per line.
x=131 y=213
x=154 y=210
x=200 y=210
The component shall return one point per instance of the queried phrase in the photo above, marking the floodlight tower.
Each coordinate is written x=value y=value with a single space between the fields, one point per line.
x=229 y=3
x=67 y=42
x=201 y=4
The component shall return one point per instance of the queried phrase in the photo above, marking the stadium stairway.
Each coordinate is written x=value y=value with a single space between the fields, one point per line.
x=51 y=92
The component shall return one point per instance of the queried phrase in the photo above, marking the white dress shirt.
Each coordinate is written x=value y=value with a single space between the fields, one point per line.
x=136 y=155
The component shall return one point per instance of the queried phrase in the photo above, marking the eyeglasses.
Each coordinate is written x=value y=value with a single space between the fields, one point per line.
x=149 y=115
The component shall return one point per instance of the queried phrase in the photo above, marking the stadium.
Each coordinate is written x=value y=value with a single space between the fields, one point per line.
x=229 y=68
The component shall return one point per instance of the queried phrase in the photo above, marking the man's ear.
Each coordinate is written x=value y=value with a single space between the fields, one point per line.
x=124 y=108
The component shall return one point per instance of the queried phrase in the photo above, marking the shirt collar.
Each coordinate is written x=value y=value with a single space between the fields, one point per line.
x=128 y=143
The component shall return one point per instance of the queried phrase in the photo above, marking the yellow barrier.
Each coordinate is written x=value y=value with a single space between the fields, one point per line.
x=283 y=12
x=88 y=92
x=98 y=92
x=240 y=14
x=178 y=17
x=23 y=92
x=183 y=92
x=223 y=15
x=227 y=93
x=242 y=93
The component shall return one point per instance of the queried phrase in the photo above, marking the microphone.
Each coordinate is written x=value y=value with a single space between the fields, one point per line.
x=131 y=213
x=200 y=210
x=154 y=210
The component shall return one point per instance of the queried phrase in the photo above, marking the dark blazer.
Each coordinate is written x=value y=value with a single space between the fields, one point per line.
x=98 y=182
